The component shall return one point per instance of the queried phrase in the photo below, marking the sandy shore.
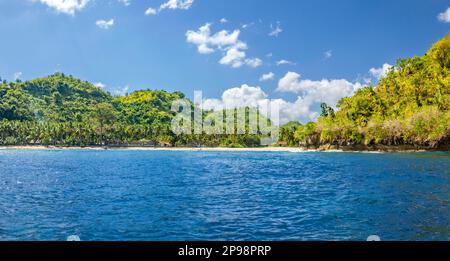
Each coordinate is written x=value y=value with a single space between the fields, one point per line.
x=263 y=149
x=220 y=149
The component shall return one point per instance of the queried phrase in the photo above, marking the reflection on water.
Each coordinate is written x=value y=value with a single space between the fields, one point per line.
x=156 y=195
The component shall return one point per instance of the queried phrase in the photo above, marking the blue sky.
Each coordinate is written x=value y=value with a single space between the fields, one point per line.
x=331 y=45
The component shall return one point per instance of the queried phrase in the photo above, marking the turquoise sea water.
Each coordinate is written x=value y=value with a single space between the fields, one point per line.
x=181 y=195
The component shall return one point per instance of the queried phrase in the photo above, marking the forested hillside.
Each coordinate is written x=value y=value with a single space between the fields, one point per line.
x=409 y=107
x=63 y=110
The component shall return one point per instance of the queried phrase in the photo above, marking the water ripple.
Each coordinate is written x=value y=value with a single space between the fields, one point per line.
x=168 y=195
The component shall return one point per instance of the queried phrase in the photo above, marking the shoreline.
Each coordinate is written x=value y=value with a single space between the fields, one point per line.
x=144 y=148
x=219 y=149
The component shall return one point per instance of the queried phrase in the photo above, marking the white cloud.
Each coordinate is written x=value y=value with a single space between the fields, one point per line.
x=314 y=92
x=99 y=85
x=103 y=24
x=380 y=72
x=177 y=4
x=65 y=6
x=248 y=96
x=254 y=62
x=328 y=54
x=223 y=21
x=151 y=11
x=204 y=49
x=233 y=50
x=17 y=76
x=267 y=77
x=241 y=97
x=445 y=16
x=283 y=62
x=306 y=106
x=170 y=4
x=125 y=2
x=233 y=58
x=275 y=31
x=203 y=38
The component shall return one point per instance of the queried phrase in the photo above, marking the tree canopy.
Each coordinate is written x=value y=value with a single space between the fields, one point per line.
x=410 y=105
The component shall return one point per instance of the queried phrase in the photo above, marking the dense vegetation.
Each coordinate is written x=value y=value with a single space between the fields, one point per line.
x=408 y=107
x=63 y=110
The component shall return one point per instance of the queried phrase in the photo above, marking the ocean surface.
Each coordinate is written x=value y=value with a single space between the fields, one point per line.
x=183 y=195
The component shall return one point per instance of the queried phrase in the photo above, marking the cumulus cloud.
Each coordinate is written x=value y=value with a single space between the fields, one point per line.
x=177 y=4
x=284 y=62
x=314 y=92
x=234 y=57
x=445 y=16
x=170 y=4
x=151 y=11
x=380 y=72
x=238 y=97
x=254 y=62
x=249 y=96
x=332 y=90
x=65 y=6
x=328 y=54
x=267 y=77
x=233 y=49
x=275 y=30
x=206 y=42
x=223 y=21
x=104 y=24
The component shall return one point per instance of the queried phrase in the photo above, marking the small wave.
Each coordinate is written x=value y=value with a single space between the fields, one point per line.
x=297 y=150
x=371 y=152
x=333 y=151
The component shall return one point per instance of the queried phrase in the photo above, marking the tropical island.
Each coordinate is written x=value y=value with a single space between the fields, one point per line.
x=407 y=110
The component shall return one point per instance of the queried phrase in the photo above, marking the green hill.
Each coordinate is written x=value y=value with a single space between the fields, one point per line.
x=63 y=110
x=409 y=107
x=54 y=98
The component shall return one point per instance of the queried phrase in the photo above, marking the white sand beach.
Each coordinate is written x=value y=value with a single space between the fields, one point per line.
x=220 y=149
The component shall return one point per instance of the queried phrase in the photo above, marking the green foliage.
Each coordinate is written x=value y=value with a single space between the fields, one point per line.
x=147 y=106
x=305 y=131
x=410 y=105
x=63 y=110
x=14 y=103
x=428 y=125
x=326 y=110
x=62 y=98
x=287 y=132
